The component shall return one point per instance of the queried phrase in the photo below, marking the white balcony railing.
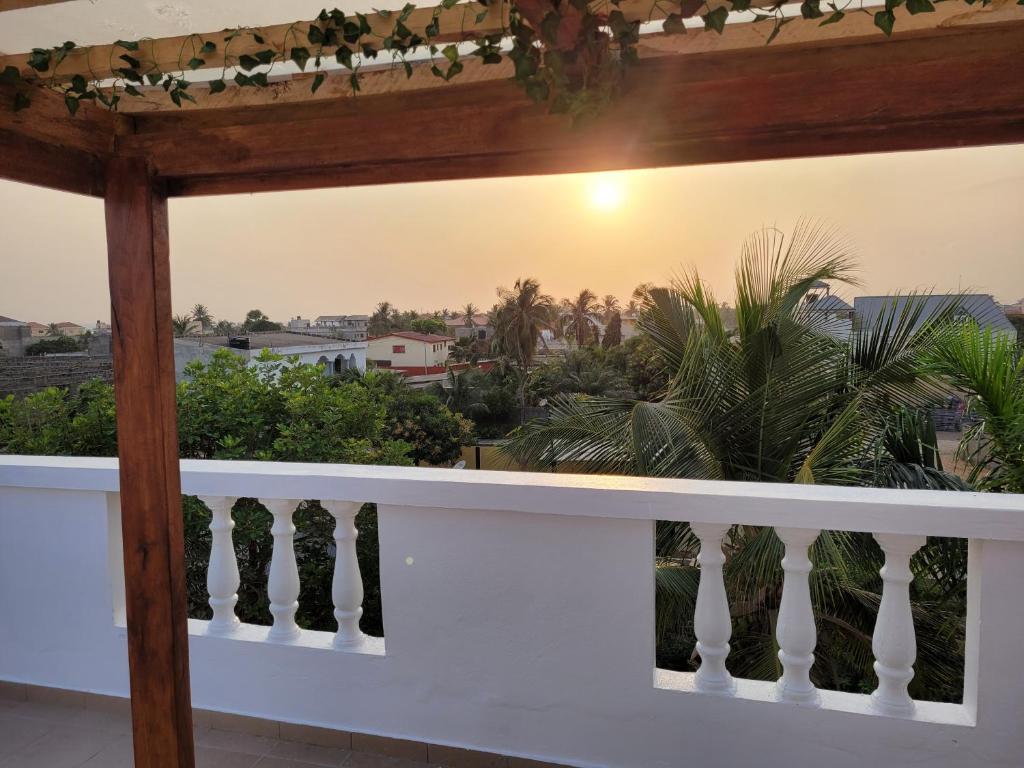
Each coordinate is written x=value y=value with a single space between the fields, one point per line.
x=519 y=614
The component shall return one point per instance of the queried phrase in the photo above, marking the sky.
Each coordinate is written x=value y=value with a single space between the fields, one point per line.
x=944 y=220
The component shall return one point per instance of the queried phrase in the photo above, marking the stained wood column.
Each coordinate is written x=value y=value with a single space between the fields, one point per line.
x=147 y=433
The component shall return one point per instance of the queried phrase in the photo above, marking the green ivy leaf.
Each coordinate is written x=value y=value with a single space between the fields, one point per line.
x=176 y=98
x=408 y=69
x=674 y=25
x=920 y=6
x=716 y=19
x=344 y=57
x=836 y=16
x=258 y=38
x=315 y=35
x=260 y=79
x=21 y=101
x=433 y=29
x=39 y=59
x=266 y=57
x=128 y=45
x=10 y=75
x=71 y=102
x=78 y=84
x=408 y=8
x=300 y=56
x=195 y=62
x=492 y=57
x=247 y=62
x=353 y=80
x=216 y=86
x=451 y=52
x=153 y=78
x=318 y=81
x=483 y=15
x=131 y=61
x=884 y=20
x=741 y=5
x=131 y=90
x=242 y=80
x=549 y=26
x=208 y=47
x=811 y=9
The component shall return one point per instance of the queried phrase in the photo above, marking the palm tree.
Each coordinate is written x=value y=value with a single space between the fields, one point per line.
x=181 y=324
x=202 y=316
x=608 y=305
x=781 y=402
x=380 y=320
x=522 y=313
x=469 y=312
x=989 y=367
x=641 y=294
x=53 y=329
x=577 y=312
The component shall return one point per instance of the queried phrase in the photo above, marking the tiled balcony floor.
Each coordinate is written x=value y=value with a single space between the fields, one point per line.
x=68 y=734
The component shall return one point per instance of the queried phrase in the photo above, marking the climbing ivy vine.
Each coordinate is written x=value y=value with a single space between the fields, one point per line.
x=571 y=54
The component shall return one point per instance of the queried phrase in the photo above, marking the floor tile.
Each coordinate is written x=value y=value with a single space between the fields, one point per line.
x=64 y=747
x=234 y=742
x=209 y=757
x=309 y=753
x=17 y=732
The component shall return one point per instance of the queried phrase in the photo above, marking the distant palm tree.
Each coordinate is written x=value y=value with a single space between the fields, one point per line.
x=578 y=313
x=469 y=312
x=54 y=330
x=608 y=305
x=202 y=316
x=380 y=320
x=642 y=293
x=522 y=313
x=181 y=324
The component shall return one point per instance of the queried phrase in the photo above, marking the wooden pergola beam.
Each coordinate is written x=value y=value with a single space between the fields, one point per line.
x=946 y=88
x=747 y=36
x=147 y=449
x=172 y=54
x=16 y=5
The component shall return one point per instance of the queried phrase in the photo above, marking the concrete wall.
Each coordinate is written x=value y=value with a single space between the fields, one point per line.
x=518 y=617
x=417 y=353
x=23 y=375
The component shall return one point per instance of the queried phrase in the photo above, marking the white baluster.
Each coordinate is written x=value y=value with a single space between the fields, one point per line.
x=894 y=642
x=795 y=629
x=222 y=575
x=347 y=588
x=711 y=620
x=283 y=584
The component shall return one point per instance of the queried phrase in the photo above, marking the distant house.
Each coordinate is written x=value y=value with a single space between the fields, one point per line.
x=979 y=307
x=15 y=336
x=477 y=328
x=334 y=355
x=38 y=330
x=349 y=327
x=71 y=329
x=827 y=312
x=299 y=324
x=1016 y=308
x=411 y=352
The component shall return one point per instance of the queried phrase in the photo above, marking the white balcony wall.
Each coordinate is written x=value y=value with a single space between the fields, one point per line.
x=518 y=614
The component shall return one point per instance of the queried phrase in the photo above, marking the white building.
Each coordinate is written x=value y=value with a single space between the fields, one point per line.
x=334 y=355
x=350 y=327
x=411 y=351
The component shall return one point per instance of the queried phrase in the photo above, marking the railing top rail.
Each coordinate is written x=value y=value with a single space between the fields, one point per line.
x=934 y=513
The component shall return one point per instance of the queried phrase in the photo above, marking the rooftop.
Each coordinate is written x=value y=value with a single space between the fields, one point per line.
x=427 y=338
x=273 y=340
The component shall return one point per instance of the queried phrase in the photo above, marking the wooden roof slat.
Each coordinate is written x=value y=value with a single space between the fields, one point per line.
x=383 y=80
x=172 y=53
x=16 y=5
x=947 y=88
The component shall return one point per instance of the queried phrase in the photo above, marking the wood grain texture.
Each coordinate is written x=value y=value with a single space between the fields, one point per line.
x=31 y=161
x=947 y=88
x=378 y=80
x=151 y=516
x=168 y=54
x=15 y=5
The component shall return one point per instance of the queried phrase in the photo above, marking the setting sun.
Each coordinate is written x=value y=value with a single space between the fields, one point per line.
x=606 y=194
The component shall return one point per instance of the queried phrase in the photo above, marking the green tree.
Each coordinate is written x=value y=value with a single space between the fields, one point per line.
x=522 y=313
x=256 y=321
x=989 y=367
x=781 y=402
x=181 y=324
x=578 y=313
x=613 y=331
x=202 y=316
x=54 y=345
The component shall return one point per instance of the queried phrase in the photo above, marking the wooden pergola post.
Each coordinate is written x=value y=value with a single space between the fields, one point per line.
x=147 y=427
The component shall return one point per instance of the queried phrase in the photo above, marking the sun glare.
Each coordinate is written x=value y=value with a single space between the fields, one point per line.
x=606 y=194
